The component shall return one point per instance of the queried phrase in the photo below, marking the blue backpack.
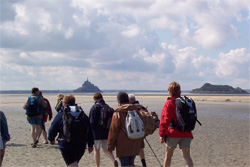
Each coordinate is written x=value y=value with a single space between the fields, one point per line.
x=32 y=108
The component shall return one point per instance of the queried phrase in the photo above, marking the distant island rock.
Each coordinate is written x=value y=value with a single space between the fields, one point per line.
x=87 y=86
x=219 y=89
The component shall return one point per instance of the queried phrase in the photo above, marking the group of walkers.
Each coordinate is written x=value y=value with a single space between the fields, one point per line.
x=94 y=135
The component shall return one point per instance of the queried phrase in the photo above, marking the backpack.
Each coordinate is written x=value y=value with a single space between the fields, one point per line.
x=134 y=125
x=150 y=120
x=33 y=108
x=59 y=106
x=186 y=114
x=75 y=128
x=106 y=114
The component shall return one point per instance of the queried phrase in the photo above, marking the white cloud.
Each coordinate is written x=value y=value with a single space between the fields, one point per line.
x=156 y=58
x=234 y=64
x=44 y=21
x=131 y=31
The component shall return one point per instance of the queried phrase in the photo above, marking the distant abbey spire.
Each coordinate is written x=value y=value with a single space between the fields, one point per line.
x=87 y=86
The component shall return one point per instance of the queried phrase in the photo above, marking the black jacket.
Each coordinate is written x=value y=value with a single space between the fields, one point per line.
x=57 y=127
x=99 y=132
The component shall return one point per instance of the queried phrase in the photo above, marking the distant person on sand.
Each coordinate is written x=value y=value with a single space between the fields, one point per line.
x=46 y=112
x=126 y=148
x=4 y=136
x=34 y=110
x=100 y=133
x=59 y=105
x=172 y=137
x=74 y=130
x=132 y=100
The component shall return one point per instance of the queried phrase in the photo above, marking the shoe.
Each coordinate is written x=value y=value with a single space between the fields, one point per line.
x=33 y=145
x=116 y=163
x=45 y=142
x=36 y=142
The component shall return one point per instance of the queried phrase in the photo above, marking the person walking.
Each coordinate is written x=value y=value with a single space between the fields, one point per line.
x=34 y=110
x=170 y=136
x=47 y=112
x=4 y=136
x=59 y=105
x=74 y=130
x=126 y=148
x=132 y=100
x=100 y=133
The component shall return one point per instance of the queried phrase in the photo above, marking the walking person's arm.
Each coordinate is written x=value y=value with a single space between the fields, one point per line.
x=113 y=131
x=166 y=118
x=90 y=138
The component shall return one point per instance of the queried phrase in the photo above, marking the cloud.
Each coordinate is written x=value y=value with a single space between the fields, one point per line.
x=115 y=41
x=131 y=31
x=234 y=64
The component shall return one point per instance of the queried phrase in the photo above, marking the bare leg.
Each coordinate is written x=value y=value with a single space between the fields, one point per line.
x=97 y=156
x=45 y=137
x=38 y=131
x=142 y=156
x=38 y=136
x=187 y=157
x=168 y=157
x=33 y=133
x=75 y=164
x=2 y=151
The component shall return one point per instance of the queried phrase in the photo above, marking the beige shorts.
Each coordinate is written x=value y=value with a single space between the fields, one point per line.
x=98 y=144
x=183 y=142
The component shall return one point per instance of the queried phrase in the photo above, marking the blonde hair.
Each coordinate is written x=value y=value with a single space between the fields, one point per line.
x=60 y=96
x=69 y=100
x=174 y=89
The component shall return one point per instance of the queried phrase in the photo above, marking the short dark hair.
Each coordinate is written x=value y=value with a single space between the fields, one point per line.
x=122 y=97
x=40 y=93
x=97 y=96
x=34 y=90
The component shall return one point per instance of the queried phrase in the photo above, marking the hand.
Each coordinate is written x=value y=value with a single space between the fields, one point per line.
x=2 y=151
x=162 y=139
x=90 y=149
x=52 y=142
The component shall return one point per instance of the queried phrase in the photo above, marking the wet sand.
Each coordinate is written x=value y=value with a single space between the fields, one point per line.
x=222 y=140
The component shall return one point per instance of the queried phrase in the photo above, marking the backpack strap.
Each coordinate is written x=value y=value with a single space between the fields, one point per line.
x=173 y=125
x=173 y=99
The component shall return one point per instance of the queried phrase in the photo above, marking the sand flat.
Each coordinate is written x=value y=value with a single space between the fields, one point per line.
x=222 y=140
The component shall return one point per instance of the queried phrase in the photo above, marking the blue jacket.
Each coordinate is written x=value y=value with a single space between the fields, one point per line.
x=4 y=127
x=94 y=115
x=57 y=127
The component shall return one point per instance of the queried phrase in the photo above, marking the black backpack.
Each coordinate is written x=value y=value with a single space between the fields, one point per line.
x=75 y=129
x=106 y=114
x=186 y=114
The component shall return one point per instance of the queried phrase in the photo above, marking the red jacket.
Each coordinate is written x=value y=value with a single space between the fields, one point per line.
x=168 y=114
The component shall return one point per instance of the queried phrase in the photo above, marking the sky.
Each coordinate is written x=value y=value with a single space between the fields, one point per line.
x=124 y=44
